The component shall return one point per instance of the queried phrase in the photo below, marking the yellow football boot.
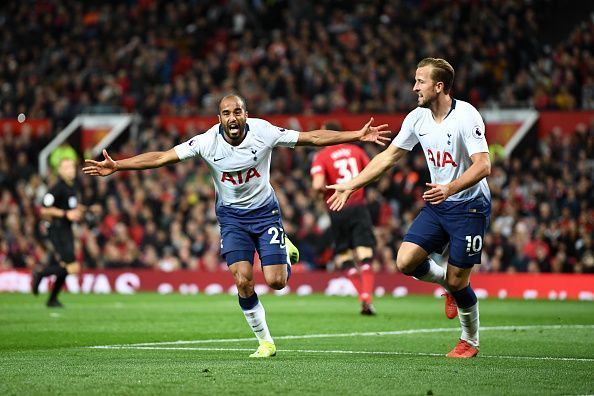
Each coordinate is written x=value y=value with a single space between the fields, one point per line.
x=266 y=349
x=292 y=251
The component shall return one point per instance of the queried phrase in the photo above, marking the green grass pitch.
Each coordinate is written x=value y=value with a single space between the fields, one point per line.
x=324 y=347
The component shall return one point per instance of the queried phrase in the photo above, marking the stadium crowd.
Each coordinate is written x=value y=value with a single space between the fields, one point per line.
x=542 y=220
x=61 y=58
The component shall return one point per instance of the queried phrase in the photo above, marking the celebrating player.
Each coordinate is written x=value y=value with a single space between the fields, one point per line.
x=352 y=228
x=458 y=201
x=238 y=151
x=60 y=209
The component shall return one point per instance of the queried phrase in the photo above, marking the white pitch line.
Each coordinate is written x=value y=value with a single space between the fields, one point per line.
x=346 y=352
x=357 y=334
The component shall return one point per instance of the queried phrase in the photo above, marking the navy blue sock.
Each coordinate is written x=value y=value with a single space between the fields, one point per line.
x=421 y=270
x=465 y=298
x=248 y=303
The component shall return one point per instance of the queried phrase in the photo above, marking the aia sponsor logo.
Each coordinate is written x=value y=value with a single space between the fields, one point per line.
x=239 y=177
x=440 y=159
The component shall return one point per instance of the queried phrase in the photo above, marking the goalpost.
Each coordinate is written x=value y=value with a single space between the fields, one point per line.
x=508 y=127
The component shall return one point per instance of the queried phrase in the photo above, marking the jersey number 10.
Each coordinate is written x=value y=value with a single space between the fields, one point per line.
x=474 y=243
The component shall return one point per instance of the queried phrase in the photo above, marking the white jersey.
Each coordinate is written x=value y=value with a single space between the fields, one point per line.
x=448 y=145
x=241 y=174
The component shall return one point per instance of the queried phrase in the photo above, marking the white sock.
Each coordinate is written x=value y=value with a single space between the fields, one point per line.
x=469 y=321
x=436 y=274
x=256 y=318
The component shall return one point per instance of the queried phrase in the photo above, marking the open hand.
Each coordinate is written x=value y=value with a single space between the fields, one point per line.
x=340 y=197
x=103 y=168
x=375 y=134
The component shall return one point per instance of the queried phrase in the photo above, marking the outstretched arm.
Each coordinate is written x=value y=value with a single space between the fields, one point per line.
x=324 y=137
x=376 y=167
x=480 y=168
x=153 y=159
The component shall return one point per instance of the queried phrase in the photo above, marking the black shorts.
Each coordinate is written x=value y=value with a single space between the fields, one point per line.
x=62 y=241
x=352 y=227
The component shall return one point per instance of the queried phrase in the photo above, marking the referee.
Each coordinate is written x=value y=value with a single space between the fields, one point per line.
x=60 y=209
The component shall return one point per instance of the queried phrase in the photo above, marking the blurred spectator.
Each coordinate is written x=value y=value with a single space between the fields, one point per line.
x=120 y=250
x=60 y=58
x=540 y=224
x=64 y=57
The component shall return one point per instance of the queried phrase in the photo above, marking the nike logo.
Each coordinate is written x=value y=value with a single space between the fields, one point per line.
x=473 y=254
x=218 y=159
x=423 y=134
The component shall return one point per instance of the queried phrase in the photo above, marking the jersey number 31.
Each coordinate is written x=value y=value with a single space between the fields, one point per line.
x=347 y=169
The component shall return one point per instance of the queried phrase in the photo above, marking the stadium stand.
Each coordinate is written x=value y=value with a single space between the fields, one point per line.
x=157 y=57
x=61 y=58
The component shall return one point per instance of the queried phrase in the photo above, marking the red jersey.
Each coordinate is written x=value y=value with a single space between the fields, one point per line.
x=339 y=164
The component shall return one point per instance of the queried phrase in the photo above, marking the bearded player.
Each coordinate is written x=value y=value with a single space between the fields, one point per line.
x=458 y=202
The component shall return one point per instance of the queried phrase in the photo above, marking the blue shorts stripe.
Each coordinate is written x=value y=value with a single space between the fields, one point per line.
x=239 y=255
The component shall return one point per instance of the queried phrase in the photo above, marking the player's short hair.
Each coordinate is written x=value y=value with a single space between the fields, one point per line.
x=442 y=71
x=234 y=95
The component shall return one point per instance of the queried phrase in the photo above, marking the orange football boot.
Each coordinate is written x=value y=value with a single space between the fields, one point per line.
x=463 y=350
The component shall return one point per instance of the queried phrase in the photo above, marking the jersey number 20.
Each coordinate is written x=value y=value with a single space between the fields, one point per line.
x=278 y=236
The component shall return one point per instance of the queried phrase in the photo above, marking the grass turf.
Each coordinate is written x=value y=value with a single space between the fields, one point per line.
x=45 y=351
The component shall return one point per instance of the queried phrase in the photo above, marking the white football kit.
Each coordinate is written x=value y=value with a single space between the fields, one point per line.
x=448 y=145
x=241 y=174
x=246 y=205
x=461 y=220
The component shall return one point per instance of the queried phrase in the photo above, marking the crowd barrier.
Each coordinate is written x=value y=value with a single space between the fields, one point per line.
x=519 y=286
x=565 y=120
